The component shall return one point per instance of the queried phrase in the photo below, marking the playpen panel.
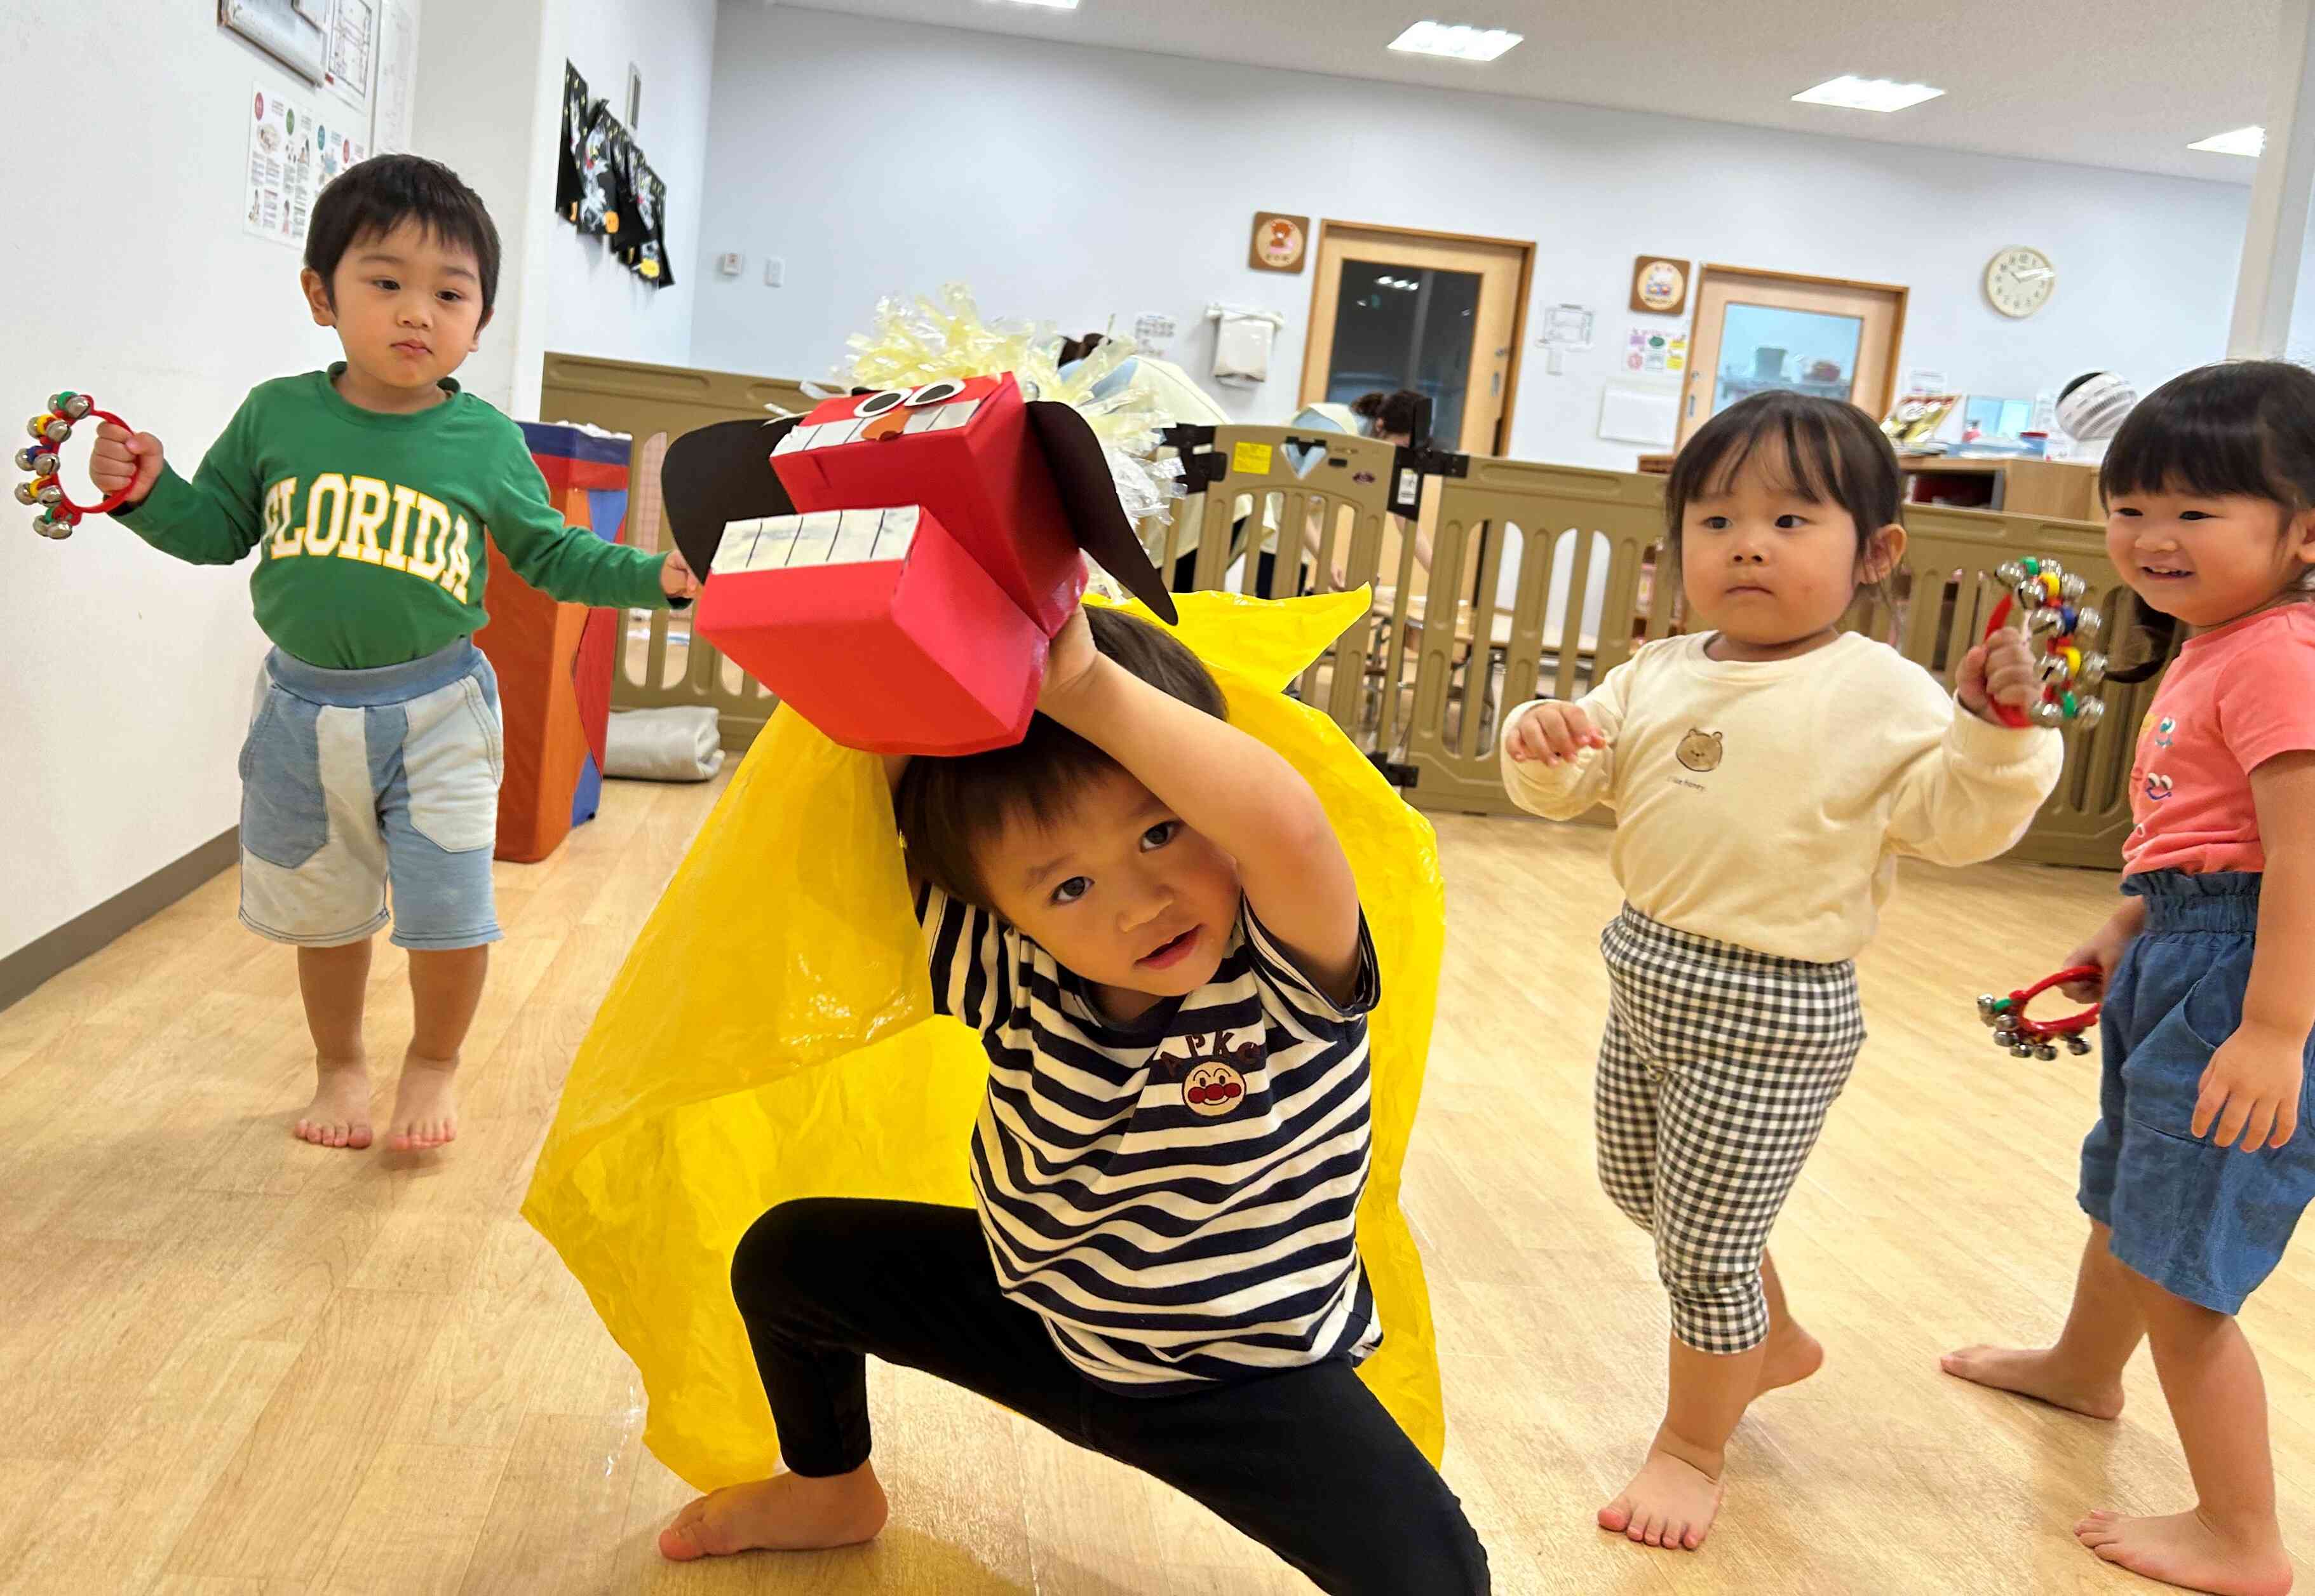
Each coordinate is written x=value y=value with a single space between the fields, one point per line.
x=1558 y=576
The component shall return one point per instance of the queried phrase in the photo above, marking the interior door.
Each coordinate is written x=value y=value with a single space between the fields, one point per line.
x=1758 y=331
x=1440 y=315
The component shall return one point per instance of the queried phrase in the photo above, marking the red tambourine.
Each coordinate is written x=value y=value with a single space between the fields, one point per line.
x=2019 y=1033
x=49 y=430
x=2057 y=620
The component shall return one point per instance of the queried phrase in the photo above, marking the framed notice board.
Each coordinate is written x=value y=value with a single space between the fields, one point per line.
x=295 y=32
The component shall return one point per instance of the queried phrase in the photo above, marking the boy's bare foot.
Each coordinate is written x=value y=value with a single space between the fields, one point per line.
x=425 y=1108
x=2185 y=1549
x=1791 y=1356
x=338 y=1116
x=2039 y=1373
x=1670 y=1502
x=785 y=1513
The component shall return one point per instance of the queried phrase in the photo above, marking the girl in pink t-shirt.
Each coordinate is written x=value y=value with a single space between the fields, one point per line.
x=2195 y=1174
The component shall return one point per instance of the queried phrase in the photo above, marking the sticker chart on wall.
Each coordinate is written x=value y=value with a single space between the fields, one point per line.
x=294 y=153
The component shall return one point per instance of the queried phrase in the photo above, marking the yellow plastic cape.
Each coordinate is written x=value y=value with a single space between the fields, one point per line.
x=771 y=1036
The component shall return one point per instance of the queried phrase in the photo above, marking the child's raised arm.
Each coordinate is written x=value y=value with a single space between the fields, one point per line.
x=1229 y=788
x=564 y=562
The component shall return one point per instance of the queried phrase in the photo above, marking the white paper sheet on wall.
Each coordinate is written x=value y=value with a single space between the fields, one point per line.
x=353 y=53
x=397 y=68
x=1629 y=415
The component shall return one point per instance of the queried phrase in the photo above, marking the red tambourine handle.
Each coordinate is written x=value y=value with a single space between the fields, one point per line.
x=2011 y=715
x=2071 y=1024
x=112 y=502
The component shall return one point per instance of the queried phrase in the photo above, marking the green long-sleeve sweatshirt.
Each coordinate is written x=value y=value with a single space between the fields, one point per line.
x=370 y=526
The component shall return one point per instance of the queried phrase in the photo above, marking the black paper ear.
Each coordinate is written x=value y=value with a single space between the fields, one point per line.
x=1090 y=499
x=720 y=473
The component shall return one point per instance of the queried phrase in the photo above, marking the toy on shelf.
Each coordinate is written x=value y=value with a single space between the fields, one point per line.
x=894 y=565
x=2018 y=1032
x=49 y=430
x=2050 y=598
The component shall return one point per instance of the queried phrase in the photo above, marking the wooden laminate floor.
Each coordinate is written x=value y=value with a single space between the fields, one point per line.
x=234 y=1365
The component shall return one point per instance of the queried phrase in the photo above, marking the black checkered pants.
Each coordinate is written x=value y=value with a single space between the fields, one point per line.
x=1718 y=1066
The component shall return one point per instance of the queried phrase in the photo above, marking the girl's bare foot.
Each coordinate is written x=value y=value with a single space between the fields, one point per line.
x=2186 y=1549
x=785 y=1513
x=425 y=1108
x=2039 y=1373
x=1670 y=1504
x=1792 y=1355
x=340 y=1115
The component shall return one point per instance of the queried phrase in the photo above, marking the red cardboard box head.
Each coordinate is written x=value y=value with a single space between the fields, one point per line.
x=893 y=563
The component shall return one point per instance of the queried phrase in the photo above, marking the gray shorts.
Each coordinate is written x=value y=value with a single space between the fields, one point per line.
x=352 y=780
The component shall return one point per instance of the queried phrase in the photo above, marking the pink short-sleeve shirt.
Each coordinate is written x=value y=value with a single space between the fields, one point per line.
x=2234 y=698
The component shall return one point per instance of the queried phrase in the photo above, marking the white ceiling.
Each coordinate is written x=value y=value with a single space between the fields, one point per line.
x=2127 y=83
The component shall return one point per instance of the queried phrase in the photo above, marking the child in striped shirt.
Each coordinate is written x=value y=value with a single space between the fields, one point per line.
x=1146 y=915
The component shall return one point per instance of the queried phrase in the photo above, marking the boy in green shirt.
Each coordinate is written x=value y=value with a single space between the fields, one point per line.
x=374 y=753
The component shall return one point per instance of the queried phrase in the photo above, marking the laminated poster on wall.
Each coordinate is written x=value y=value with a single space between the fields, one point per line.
x=1651 y=349
x=293 y=155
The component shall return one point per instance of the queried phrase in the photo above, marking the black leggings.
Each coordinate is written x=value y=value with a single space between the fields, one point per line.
x=1306 y=1461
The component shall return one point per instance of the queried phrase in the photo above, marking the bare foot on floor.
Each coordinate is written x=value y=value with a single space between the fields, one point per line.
x=1792 y=1355
x=785 y=1513
x=425 y=1107
x=2037 y=1373
x=1668 y=1503
x=338 y=1116
x=2183 y=1549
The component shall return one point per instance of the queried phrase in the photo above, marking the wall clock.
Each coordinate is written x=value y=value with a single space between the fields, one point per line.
x=2020 y=281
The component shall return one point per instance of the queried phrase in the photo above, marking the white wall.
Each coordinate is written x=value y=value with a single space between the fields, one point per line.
x=595 y=304
x=127 y=687
x=1067 y=183
x=488 y=96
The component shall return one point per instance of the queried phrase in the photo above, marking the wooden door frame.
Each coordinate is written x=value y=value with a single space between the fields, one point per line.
x=1526 y=248
x=1897 y=291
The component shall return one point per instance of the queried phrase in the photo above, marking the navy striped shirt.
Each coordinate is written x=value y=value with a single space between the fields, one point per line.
x=1177 y=1198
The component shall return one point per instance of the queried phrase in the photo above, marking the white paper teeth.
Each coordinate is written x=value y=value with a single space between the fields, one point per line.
x=816 y=538
x=824 y=537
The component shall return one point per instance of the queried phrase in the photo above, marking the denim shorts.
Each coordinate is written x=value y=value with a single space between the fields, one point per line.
x=352 y=780
x=2204 y=1222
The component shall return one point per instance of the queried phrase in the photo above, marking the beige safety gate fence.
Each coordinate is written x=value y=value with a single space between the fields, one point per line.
x=1517 y=578
x=1541 y=579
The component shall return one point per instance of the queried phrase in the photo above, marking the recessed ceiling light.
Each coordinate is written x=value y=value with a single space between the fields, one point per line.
x=2242 y=141
x=1054 y=4
x=1462 y=42
x=1867 y=93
